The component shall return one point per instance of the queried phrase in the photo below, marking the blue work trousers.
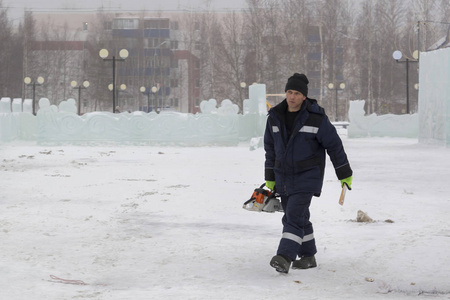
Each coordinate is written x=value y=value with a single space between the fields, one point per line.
x=298 y=233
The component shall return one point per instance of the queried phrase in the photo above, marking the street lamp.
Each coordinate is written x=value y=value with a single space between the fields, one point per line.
x=40 y=80
x=143 y=90
x=397 y=55
x=243 y=85
x=155 y=92
x=85 y=85
x=340 y=88
x=123 y=55
x=161 y=77
x=122 y=87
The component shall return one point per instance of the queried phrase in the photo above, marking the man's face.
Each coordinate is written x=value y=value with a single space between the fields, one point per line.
x=294 y=100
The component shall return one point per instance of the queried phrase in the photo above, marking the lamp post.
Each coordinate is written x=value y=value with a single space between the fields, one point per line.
x=243 y=85
x=155 y=90
x=123 y=55
x=340 y=88
x=397 y=55
x=144 y=91
x=85 y=85
x=40 y=80
x=122 y=87
x=161 y=79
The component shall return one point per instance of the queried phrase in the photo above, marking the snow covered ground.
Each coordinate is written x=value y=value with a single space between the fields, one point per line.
x=139 y=222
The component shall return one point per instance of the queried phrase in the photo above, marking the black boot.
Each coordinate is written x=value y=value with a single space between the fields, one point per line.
x=281 y=263
x=305 y=263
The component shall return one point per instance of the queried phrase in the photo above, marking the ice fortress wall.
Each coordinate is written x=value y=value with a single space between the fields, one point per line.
x=434 y=97
x=431 y=124
x=57 y=124
x=388 y=125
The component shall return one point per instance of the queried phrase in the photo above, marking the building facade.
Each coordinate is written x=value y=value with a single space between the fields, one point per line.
x=157 y=75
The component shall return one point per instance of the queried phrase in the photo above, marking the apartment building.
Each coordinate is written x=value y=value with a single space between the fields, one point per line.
x=157 y=75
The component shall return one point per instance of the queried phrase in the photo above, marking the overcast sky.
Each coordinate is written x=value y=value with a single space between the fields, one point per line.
x=16 y=7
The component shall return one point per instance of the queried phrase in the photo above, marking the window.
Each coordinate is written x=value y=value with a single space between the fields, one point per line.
x=315 y=84
x=164 y=23
x=314 y=64
x=157 y=24
x=173 y=45
x=174 y=83
x=197 y=101
x=85 y=26
x=125 y=24
x=314 y=38
x=197 y=83
x=153 y=24
x=314 y=56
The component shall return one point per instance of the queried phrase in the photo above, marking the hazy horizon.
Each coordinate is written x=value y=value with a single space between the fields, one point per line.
x=16 y=8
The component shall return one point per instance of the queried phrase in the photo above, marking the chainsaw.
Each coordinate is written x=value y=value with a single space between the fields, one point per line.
x=263 y=200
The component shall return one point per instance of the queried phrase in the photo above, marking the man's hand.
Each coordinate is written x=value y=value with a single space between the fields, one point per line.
x=270 y=185
x=347 y=181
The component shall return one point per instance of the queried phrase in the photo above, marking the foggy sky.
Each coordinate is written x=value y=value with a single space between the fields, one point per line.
x=16 y=7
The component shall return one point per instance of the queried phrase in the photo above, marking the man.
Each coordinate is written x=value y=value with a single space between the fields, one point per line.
x=297 y=134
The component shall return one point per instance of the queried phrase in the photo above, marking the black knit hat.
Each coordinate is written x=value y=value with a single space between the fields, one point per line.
x=298 y=82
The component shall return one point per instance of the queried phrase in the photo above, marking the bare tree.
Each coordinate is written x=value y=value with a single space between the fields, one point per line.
x=209 y=45
x=11 y=79
x=233 y=56
x=254 y=36
x=390 y=18
x=99 y=72
x=30 y=63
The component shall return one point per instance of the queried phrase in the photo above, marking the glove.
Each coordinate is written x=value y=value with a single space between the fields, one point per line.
x=270 y=184
x=347 y=181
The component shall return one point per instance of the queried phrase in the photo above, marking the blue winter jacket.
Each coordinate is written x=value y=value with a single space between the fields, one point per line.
x=297 y=164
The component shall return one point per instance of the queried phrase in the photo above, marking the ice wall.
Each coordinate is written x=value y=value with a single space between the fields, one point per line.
x=384 y=125
x=434 y=97
x=57 y=124
x=16 y=120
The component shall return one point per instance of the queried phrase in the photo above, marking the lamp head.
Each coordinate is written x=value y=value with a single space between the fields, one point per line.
x=397 y=55
x=103 y=53
x=123 y=53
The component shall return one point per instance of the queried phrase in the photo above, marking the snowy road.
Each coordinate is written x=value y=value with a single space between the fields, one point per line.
x=137 y=222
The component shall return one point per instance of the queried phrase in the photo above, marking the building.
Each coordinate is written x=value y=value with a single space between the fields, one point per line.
x=157 y=74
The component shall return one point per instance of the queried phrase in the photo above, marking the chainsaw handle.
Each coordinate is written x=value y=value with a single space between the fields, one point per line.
x=248 y=201
x=274 y=188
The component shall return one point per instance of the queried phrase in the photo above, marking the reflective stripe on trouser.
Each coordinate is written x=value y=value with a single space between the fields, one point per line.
x=298 y=234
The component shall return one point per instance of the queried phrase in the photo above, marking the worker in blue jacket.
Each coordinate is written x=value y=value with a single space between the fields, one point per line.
x=298 y=132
